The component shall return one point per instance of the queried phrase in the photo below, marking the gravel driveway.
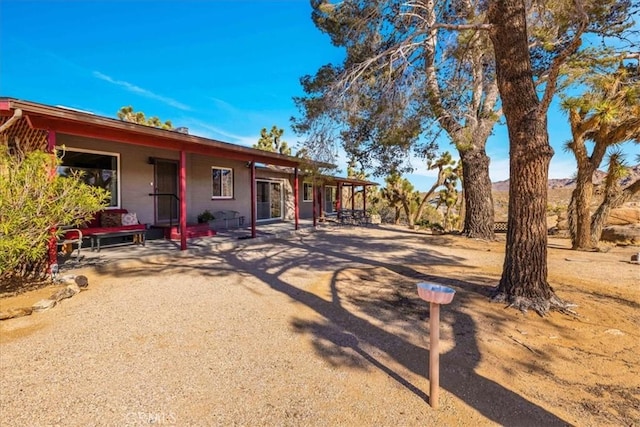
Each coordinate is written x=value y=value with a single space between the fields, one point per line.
x=265 y=334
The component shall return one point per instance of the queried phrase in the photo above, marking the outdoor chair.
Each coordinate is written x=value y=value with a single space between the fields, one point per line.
x=66 y=240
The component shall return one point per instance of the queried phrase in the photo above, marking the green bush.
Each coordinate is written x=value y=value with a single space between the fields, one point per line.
x=34 y=201
x=205 y=216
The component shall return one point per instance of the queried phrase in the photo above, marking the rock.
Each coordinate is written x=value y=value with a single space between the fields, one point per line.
x=44 y=304
x=15 y=312
x=65 y=293
x=624 y=216
x=563 y=225
x=636 y=258
x=82 y=281
x=622 y=235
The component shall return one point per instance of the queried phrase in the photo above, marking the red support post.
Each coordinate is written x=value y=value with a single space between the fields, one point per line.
x=253 y=199
x=51 y=141
x=183 y=200
x=296 y=197
x=339 y=199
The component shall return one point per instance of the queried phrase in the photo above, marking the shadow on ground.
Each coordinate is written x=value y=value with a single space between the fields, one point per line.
x=345 y=337
x=344 y=334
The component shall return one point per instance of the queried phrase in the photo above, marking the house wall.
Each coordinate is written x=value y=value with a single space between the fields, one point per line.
x=137 y=176
x=199 y=187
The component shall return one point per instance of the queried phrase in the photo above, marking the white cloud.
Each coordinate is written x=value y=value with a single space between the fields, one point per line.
x=224 y=105
x=141 y=91
x=200 y=128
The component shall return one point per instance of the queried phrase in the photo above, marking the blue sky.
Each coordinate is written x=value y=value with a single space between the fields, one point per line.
x=224 y=69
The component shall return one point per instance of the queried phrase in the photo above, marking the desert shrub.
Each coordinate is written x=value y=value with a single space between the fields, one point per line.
x=431 y=215
x=33 y=202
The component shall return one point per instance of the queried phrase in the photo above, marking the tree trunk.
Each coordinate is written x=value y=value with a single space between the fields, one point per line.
x=612 y=200
x=406 y=204
x=580 y=212
x=478 y=200
x=524 y=277
x=463 y=207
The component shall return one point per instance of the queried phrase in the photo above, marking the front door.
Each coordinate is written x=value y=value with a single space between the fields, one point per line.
x=269 y=200
x=330 y=197
x=166 y=189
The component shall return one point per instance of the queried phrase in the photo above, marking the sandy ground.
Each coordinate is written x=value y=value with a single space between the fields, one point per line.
x=325 y=329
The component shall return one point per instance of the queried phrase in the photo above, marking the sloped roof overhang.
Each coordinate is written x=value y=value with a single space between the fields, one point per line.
x=72 y=122
x=347 y=181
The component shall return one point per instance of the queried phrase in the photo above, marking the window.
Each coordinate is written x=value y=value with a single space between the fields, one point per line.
x=222 y=183
x=98 y=169
x=269 y=197
x=307 y=192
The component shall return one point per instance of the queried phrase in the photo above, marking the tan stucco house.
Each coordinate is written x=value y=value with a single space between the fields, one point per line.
x=169 y=176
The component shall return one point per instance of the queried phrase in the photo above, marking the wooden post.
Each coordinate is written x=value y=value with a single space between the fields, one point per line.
x=353 y=197
x=434 y=354
x=364 y=200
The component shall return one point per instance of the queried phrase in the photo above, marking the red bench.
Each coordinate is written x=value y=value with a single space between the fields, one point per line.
x=109 y=223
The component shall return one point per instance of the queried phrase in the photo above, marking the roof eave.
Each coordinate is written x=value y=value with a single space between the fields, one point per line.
x=86 y=124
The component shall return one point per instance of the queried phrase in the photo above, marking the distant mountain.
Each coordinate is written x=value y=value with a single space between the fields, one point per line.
x=569 y=183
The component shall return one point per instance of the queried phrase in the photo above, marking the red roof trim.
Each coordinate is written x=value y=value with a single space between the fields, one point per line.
x=73 y=122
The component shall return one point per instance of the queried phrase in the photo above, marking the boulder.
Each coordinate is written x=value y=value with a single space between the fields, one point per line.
x=624 y=216
x=622 y=235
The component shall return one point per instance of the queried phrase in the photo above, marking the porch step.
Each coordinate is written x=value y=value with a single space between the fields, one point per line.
x=193 y=231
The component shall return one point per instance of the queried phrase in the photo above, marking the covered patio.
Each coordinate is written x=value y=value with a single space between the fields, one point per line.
x=223 y=241
x=164 y=175
x=339 y=198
